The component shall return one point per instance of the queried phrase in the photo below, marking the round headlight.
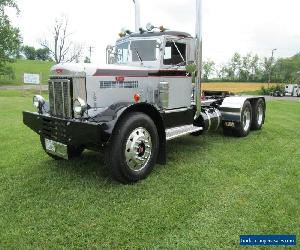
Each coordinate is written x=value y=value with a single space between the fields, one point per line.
x=79 y=106
x=38 y=101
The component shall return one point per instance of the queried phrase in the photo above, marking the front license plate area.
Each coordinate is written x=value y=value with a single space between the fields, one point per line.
x=56 y=148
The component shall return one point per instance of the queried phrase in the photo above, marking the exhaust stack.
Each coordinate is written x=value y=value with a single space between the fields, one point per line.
x=137 y=15
x=198 y=60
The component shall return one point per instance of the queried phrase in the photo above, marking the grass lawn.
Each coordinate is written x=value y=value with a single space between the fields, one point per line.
x=28 y=66
x=213 y=189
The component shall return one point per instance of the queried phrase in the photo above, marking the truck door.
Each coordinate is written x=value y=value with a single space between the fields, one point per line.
x=174 y=74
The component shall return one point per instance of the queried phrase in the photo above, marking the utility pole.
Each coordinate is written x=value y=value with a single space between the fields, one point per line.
x=270 y=69
x=198 y=55
x=90 y=52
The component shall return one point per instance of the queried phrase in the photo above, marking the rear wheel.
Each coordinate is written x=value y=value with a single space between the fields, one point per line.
x=132 y=152
x=243 y=128
x=258 y=117
x=73 y=151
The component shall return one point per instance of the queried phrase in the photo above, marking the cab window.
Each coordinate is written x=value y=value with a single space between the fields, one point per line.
x=175 y=53
x=144 y=50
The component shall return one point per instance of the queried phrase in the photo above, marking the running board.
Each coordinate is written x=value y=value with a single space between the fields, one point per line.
x=173 y=133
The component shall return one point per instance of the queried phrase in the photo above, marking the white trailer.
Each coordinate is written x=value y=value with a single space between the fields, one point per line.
x=292 y=90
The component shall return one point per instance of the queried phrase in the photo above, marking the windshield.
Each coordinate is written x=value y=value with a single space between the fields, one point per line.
x=122 y=53
x=137 y=51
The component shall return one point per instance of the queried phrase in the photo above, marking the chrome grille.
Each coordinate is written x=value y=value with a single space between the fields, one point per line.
x=60 y=98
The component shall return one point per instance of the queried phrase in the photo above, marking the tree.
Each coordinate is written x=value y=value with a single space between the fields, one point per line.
x=244 y=73
x=208 y=69
x=255 y=69
x=42 y=54
x=221 y=72
x=8 y=3
x=266 y=66
x=87 y=60
x=62 y=48
x=235 y=66
x=10 y=39
x=29 y=52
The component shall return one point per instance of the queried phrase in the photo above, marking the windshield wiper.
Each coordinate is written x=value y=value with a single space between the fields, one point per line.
x=139 y=56
x=182 y=58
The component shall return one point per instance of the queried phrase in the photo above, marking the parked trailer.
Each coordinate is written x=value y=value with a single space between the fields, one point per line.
x=292 y=90
x=132 y=107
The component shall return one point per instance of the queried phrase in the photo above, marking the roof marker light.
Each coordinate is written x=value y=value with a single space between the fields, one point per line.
x=162 y=28
x=149 y=27
x=142 y=31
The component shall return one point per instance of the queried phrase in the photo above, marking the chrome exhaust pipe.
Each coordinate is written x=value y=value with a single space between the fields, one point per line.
x=198 y=57
x=137 y=15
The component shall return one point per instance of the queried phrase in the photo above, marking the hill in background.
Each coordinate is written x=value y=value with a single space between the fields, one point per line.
x=27 y=66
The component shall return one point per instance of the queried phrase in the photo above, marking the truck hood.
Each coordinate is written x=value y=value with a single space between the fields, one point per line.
x=85 y=69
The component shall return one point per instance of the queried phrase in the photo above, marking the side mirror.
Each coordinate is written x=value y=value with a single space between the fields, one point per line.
x=110 y=54
x=191 y=51
x=159 y=45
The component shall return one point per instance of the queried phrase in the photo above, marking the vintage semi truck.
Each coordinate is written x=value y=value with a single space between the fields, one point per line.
x=133 y=106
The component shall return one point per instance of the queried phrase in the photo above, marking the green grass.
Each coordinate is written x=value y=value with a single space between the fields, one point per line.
x=28 y=66
x=22 y=93
x=213 y=189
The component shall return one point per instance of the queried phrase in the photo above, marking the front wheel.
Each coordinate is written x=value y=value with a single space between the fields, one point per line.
x=133 y=149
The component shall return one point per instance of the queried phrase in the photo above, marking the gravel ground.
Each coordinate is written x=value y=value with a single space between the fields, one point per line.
x=284 y=98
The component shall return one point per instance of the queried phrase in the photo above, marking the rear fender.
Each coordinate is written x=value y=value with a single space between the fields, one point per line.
x=231 y=107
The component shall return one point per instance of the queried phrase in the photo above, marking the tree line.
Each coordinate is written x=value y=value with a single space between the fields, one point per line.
x=10 y=38
x=252 y=68
x=58 y=47
x=31 y=53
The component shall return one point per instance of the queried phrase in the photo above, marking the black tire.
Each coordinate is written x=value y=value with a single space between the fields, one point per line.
x=73 y=152
x=116 y=156
x=242 y=129
x=258 y=117
x=199 y=122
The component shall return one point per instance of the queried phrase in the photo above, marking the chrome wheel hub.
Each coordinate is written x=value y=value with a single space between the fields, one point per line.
x=260 y=114
x=138 y=149
x=246 y=119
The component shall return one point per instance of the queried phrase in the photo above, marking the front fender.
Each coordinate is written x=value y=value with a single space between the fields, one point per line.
x=116 y=112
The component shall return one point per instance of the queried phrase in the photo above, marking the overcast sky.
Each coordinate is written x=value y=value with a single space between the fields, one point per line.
x=229 y=26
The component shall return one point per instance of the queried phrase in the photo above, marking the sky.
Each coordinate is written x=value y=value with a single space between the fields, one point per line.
x=229 y=26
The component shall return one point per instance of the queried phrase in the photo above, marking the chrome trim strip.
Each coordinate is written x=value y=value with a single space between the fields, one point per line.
x=176 y=132
x=170 y=111
x=63 y=101
x=53 y=91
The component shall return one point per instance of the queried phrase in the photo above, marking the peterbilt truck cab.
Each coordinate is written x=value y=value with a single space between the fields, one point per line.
x=131 y=107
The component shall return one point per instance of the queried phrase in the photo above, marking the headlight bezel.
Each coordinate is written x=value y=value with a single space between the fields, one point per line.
x=38 y=102
x=79 y=107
